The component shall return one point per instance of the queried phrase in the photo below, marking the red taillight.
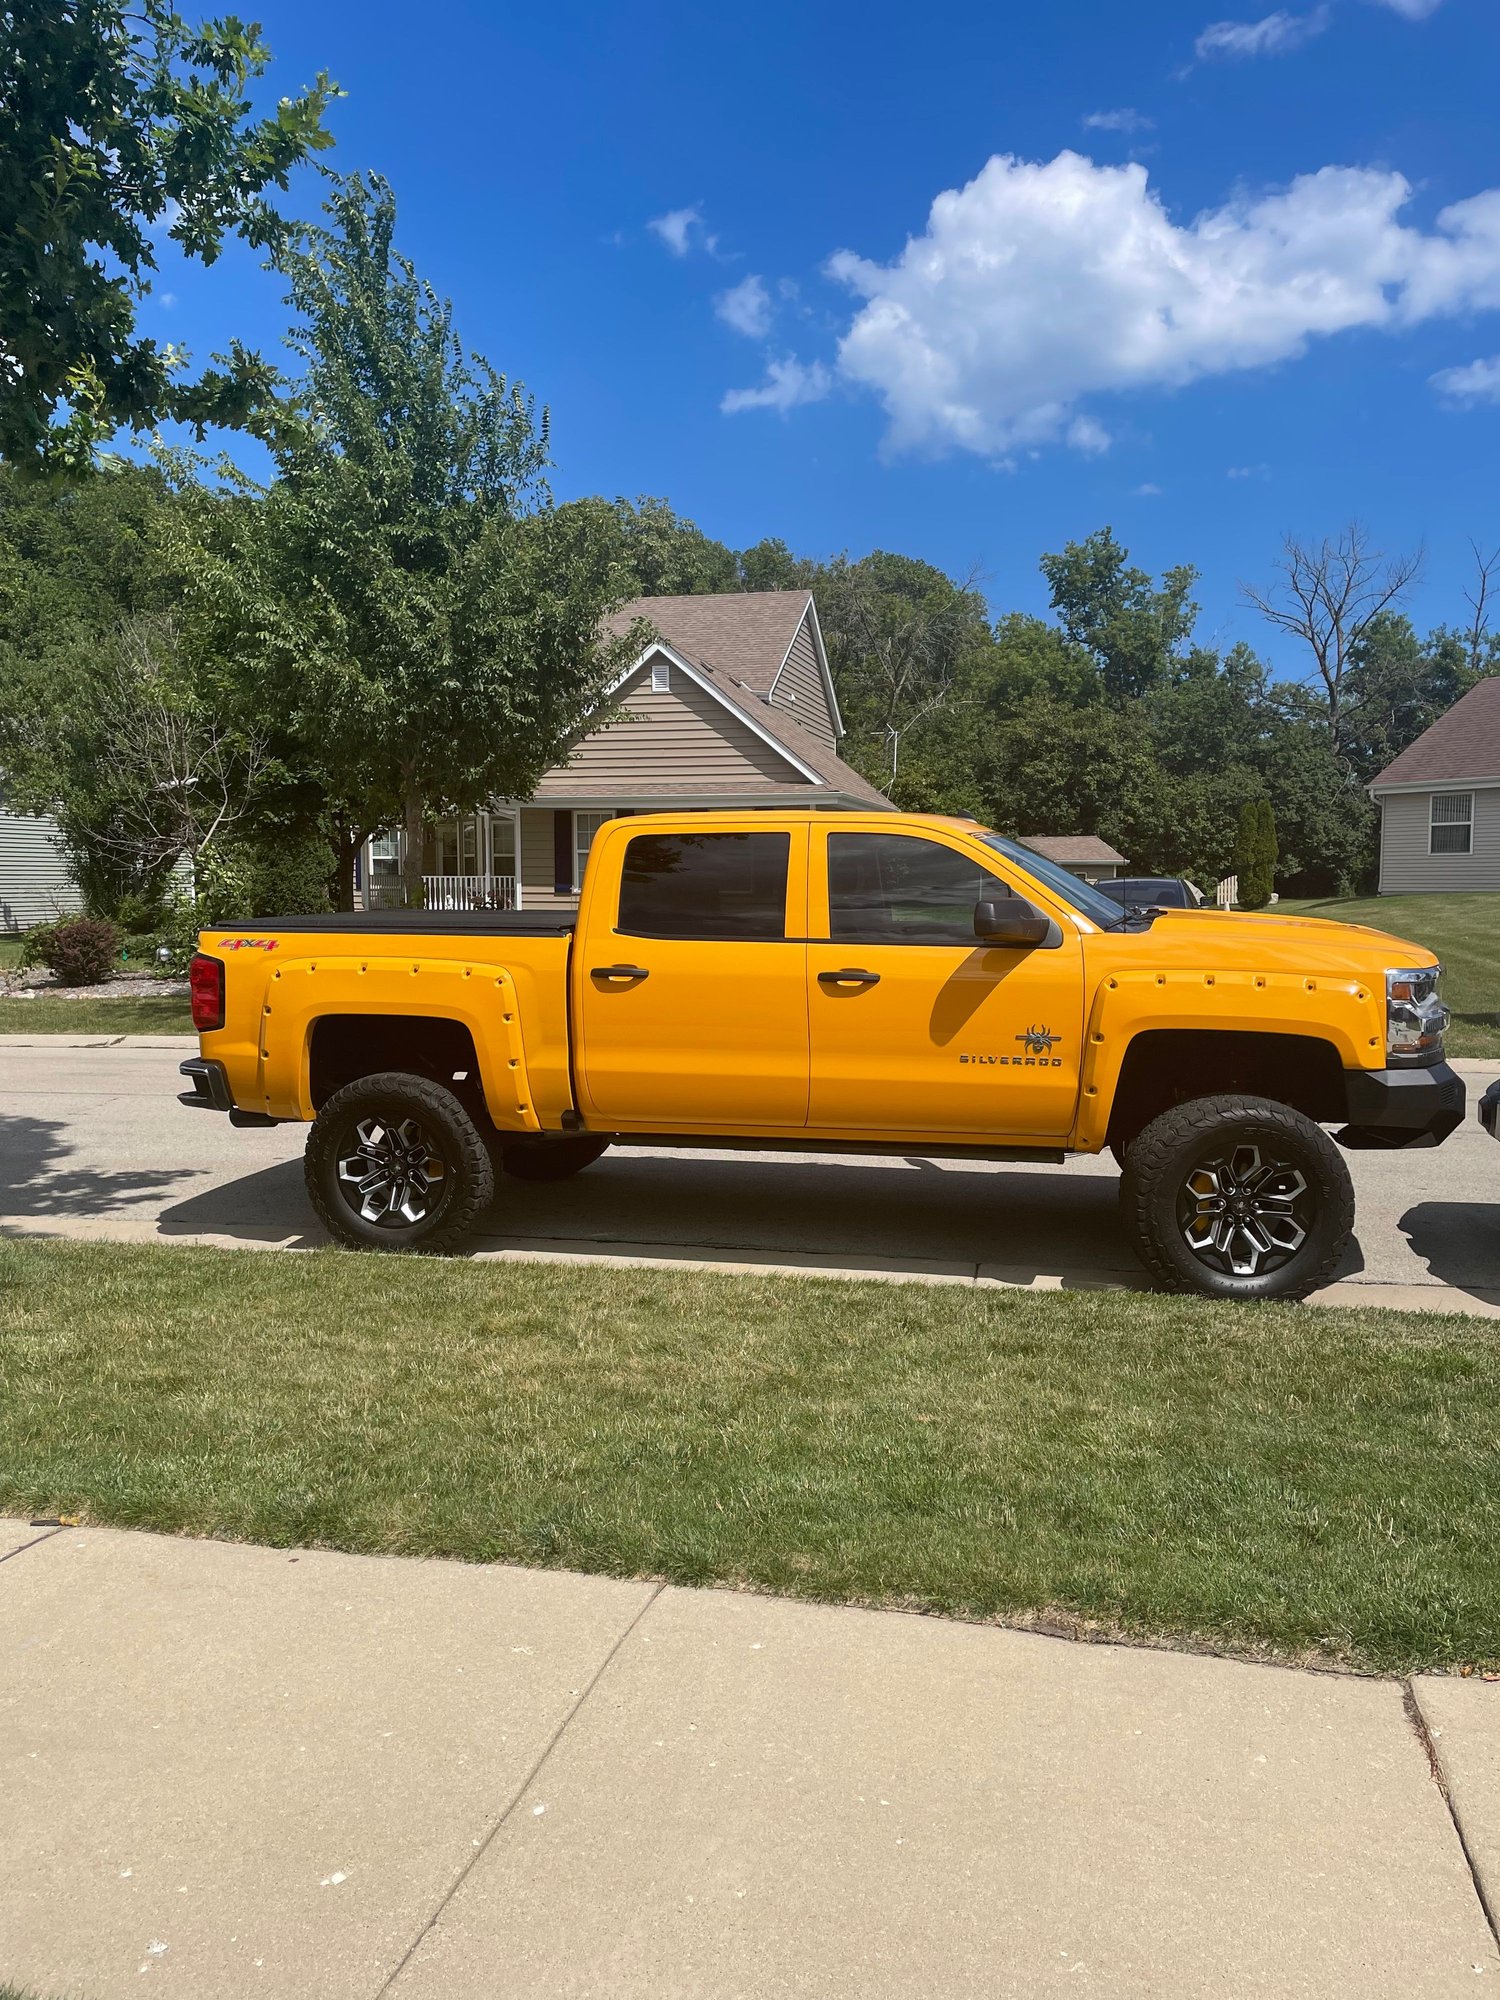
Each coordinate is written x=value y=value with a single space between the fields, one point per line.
x=206 y=984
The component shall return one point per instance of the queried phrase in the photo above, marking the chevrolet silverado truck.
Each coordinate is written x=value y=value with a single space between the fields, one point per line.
x=837 y=982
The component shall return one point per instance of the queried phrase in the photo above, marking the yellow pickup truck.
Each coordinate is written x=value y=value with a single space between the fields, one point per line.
x=837 y=982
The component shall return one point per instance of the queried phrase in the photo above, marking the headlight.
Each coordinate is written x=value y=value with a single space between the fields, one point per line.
x=1414 y=1016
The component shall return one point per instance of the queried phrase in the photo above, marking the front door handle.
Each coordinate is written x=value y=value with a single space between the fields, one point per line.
x=849 y=976
x=620 y=972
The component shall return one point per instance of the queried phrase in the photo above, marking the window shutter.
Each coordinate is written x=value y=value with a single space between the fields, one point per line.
x=562 y=853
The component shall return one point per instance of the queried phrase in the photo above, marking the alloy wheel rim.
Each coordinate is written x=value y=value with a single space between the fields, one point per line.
x=1245 y=1213
x=390 y=1173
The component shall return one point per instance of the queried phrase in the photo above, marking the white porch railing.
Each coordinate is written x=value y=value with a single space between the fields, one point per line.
x=1228 y=892
x=448 y=892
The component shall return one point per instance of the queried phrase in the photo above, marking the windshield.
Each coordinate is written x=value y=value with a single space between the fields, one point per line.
x=1078 y=894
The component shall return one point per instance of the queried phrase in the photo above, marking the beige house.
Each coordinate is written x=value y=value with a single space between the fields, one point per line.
x=730 y=706
x=1440 y=802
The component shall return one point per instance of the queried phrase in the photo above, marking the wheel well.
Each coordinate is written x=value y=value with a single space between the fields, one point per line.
x=1167 y=1066
x=348 y=1046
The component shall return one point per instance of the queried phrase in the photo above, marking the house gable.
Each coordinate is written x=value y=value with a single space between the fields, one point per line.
x=802 y=685
x=685 y=736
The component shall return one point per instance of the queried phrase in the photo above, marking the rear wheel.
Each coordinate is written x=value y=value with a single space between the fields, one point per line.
x=1237 y=1198
x=395 y=1162
x=551 y=1159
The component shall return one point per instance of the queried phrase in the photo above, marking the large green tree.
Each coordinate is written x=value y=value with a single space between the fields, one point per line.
x=1132 y=628
x=402 y=598
x=123 y=124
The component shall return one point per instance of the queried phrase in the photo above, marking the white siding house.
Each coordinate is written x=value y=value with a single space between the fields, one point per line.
x=35 y=885
x=1440 y=802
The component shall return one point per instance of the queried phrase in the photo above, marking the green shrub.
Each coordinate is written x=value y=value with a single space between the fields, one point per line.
x=136 y=915
x=35 y=945
x=81 y=951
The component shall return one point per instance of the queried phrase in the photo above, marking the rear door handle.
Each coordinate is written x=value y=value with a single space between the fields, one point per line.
x=849 y=976
x=620 y=972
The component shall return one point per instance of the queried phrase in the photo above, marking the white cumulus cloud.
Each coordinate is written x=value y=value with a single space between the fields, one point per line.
x=788 y=383
x=1041 y=284
x=1272 y=35
x=1477 y=382
x=746 y=307
x=1412 y=10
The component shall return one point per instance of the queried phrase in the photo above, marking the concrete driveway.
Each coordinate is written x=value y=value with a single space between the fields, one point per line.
x=94 y=1144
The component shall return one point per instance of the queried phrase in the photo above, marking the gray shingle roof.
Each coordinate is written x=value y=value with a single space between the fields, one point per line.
x=1464 y=743
x=745 y=633
x=1071 y=849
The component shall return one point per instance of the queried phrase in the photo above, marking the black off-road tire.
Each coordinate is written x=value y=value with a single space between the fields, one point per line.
x=399 y=1100
x=1182 y=1142
x=551 y=1159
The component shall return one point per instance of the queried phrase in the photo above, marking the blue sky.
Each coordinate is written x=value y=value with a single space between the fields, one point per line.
x=1193 y=271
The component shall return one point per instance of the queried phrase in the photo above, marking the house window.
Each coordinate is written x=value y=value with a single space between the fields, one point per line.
x=385 y=856
x=585 y=826
x=661 y=676
x=1452 y=823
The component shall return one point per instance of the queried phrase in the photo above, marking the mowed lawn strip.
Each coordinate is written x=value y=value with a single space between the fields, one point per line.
x=1301 y=1483
x=1464 y=933
x=153 y=1015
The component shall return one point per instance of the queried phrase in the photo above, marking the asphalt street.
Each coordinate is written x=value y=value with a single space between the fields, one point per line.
x=93 y=1143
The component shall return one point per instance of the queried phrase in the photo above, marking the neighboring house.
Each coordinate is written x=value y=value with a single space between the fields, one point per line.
x=35 y=885
x=1440 y=802
x=730 y=706
x=1082 y=854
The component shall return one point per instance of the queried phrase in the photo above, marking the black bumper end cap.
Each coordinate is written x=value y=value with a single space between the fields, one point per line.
x=210 y=1091
x=1489 y=1111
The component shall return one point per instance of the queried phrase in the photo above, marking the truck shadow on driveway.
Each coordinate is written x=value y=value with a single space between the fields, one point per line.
x=893 y=1217
x=36 y=1181
x=1459 y=1242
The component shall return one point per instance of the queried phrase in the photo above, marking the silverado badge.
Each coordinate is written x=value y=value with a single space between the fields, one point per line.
x=1038 y=1043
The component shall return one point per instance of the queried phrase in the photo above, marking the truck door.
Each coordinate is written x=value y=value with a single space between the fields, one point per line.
x=690 y=982
x=915 y=1025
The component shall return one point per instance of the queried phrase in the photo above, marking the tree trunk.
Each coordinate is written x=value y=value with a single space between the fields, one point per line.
x=411 y=861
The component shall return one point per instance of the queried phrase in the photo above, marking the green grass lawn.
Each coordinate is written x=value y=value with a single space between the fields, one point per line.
x=1464 y=931
x=154 y=1015
x=1298 y=1482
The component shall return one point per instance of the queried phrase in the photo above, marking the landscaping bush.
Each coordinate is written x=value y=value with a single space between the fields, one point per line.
x=136 y=915
x=80 y=951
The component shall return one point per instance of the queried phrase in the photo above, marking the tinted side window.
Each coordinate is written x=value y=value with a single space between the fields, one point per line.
x=886 y=888
x=705 y=885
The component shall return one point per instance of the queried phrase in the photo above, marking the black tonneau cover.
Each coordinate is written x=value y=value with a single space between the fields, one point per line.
x=419 y=923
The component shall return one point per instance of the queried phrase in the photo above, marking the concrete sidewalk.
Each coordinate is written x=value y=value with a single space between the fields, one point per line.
x=238 y=1771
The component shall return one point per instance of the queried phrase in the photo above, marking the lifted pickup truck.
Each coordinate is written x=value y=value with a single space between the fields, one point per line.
x=837 y=982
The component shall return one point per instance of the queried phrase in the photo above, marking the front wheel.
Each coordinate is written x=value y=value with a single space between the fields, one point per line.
x=1237 y=1198
x=395 y=1162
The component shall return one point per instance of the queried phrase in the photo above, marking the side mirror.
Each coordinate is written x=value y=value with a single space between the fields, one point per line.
x=1010 y=920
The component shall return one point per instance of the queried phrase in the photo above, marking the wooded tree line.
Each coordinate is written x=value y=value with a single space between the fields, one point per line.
x=399 y=623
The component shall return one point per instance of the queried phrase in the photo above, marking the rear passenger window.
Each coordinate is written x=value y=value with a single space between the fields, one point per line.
x=705 y=885
x=893 y=888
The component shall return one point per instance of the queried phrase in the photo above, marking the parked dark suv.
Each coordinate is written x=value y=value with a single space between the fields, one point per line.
x=1152 y=892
